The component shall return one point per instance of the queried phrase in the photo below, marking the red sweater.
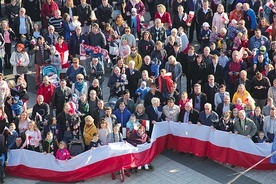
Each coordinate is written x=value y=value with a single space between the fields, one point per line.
x=47 y=92
x=166 y=18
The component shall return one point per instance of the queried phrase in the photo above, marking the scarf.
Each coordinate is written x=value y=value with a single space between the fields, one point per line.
x=96 y=49
x=133 y=55
x=79 y=86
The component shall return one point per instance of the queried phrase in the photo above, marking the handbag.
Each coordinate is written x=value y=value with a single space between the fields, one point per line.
x=22 y=69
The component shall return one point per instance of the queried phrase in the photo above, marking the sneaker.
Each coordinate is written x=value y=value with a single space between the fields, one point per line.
x=140 y=167
x=146 y=167
x=113 y=176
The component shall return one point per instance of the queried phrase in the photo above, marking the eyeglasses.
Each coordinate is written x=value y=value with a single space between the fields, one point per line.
x=80 y=79
x=75 y=62
x=133 y=50
x=127 y=30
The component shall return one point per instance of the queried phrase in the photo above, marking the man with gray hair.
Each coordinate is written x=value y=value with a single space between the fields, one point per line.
x=51 y=36
x=154 y=112
x=23 y=24
x=245 y=126
x=208 y=117
x=158 y=32
x=188 y=114
x=56 y=21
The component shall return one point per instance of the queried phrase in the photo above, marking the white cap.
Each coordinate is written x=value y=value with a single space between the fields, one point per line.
x=205 y=24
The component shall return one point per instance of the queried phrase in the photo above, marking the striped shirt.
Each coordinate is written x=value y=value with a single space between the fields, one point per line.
x=57 y=23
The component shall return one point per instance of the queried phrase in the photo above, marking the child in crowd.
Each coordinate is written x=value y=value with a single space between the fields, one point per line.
x=62 y=152
x=55 y=59
x=142 y=91
x=124 y=48
x=67 y=136
x=17 y=106
x=132 y=124
x=75 y=101
x=237 y=42
x=232 y=30
x=95 y=142
x=113 y=48
x=88 y=131
x=213 y=49
x=155 y=67
x=11 y=136
x=221 y=37
x=223 y=59
x=26 y=43
x=96 y=87
x=214 y=34
x=261 y=138
x=52 y=127
x=75 y=22
x=239 y=105
x=123 y=82
x=83 y=109
x=66 y=27
x=49 y=144
x=168 y=30
x=184 y=99
x=115 y=136
x=165 y=78
x=37 y=32
x=245 y=41
x=103 y=131
x=205 y=36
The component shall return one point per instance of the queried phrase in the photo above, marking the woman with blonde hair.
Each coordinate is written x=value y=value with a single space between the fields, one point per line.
x=70 y=8
x=220 y=19
x=89 y=130
x=33 y=137
x=163 y=15
x=80 y=86
x=8 y=36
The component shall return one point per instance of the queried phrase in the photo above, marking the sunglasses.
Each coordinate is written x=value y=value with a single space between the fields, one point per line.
x=133 y=50
x=127 y=30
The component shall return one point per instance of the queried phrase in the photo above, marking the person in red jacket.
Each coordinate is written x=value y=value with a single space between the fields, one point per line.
x=165 y=83
x=46 y=89
x=163 y=15
x=47 y=11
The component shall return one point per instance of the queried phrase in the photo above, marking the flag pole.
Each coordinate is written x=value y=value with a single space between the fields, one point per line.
x=242 y=173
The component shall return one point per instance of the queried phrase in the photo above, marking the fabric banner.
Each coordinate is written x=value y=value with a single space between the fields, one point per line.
x=200 y=140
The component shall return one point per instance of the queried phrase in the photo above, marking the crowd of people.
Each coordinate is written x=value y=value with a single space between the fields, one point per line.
x=230 y=78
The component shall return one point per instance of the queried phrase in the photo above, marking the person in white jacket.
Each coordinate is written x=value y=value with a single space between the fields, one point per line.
x=20 y=61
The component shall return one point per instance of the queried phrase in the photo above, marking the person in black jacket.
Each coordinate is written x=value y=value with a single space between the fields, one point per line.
x=216 y=70
x=12 y=12
x=204 y=14
x=103 y=13
x=210 y=89
x=40 y=109
x=85 y=14
x=188 y=114
x=146 y=44
x=152 y=93
x=226 y=105
x=133 y=76
x=199 y=98
x=28 y=31
x=96 y=37
x=70 y=5
x=61 y=96
x=75 y=41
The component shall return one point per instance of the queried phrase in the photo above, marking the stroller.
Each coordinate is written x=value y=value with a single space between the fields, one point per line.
x=76 y=147
x=2 y=157
x=51 y=72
